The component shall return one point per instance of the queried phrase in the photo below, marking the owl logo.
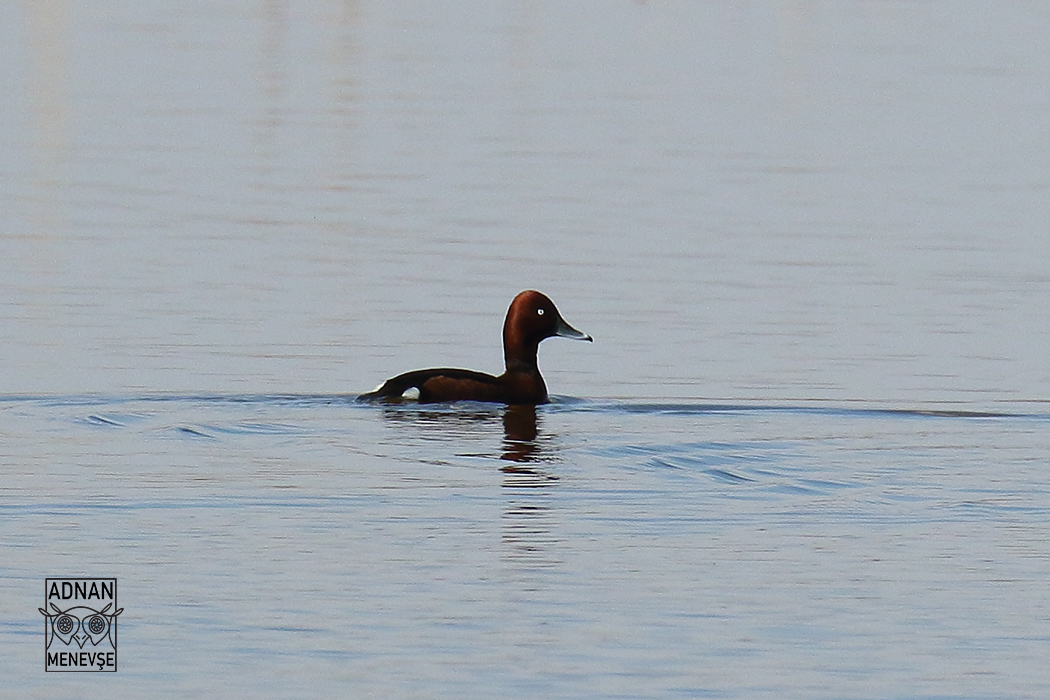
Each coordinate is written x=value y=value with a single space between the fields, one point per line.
x=81 y=624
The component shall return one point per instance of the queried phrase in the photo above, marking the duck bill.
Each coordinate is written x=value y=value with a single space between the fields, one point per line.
x=564 y=330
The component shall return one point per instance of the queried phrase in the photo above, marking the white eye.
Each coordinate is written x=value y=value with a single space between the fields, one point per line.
x=539 y=312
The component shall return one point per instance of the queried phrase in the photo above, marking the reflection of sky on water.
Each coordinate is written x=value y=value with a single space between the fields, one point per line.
x=679 y=541
x=756 y=201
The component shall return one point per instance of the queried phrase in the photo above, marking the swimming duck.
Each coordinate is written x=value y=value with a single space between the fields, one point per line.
x=532 y=318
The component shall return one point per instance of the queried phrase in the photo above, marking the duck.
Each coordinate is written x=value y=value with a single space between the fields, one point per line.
x=531 y=319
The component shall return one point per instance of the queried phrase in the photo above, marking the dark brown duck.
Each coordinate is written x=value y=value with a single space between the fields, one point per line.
x=532 y=318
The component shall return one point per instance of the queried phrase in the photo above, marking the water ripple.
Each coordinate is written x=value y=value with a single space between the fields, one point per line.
x=559 y=404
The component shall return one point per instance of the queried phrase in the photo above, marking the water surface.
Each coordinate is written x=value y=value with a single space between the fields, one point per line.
x=805 y=456
x=308 y=545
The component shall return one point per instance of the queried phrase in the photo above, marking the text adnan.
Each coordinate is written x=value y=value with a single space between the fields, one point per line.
x=81 y=590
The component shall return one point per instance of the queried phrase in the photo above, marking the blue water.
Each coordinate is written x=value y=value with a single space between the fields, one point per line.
x=805 y=457
x=308 y=546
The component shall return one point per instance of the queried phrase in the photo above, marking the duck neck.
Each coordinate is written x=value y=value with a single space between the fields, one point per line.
x=518 y=353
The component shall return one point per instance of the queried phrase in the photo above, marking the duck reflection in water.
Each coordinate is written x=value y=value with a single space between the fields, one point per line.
x=520 y=445
x=529 y=538
x=524 y=447
x=529 y=523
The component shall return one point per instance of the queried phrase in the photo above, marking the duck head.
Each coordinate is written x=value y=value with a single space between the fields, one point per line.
x=532 y=318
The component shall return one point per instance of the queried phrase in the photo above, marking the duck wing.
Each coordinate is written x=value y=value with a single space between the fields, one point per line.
x=441 y=384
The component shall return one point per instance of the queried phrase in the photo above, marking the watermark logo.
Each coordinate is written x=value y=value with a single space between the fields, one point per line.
x=80 y=624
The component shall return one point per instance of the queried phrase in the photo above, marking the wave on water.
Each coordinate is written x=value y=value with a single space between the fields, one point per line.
x=558 y=404
x=799 y=406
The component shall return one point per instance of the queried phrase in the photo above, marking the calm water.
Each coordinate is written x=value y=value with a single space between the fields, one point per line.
x=806 y=457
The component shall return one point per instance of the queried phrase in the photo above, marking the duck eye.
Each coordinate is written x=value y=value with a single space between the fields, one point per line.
x=539 y=312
